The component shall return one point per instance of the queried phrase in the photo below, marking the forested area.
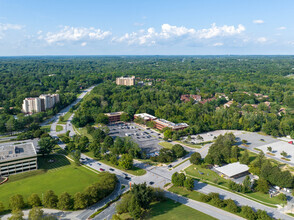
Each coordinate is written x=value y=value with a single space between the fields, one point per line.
x=238 y=78
x=171 y=77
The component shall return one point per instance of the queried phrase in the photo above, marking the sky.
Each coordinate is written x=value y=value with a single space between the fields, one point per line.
x=146 y=27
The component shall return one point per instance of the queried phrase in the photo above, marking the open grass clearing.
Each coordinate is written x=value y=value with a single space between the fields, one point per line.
x=172 y=210
x=65 y=118
x=59 y=128
x=56 y=173
x=190 y=145
x=166 y=144
x=46 y=128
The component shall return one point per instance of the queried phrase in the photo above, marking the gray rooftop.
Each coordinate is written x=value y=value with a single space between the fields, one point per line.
x=233 y=169
x=16 y=151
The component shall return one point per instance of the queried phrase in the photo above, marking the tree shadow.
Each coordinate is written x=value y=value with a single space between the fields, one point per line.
x=49 y=162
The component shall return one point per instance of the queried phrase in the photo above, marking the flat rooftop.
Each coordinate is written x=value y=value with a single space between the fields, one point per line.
x=114 y=113
x=145 y=116
x=16 y=151
x=233 y=169
x=171 y=124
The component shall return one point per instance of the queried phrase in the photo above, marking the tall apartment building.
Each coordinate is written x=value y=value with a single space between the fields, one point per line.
x=38 y=104
x=126 y=81
x=31 y=105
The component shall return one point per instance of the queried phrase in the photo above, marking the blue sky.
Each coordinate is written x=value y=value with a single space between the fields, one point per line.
x=146 y=27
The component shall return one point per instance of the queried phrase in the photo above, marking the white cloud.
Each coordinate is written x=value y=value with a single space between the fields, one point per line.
x=138 y=24
x=75 y=34
x=261 y=40
x=84 y=44
x=258 y=21
x=169 y=32
x=282 y=28
x=7 y=27
x=218 y=44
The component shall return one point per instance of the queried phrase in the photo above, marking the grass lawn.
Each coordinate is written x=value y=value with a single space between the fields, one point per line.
x=134 y=171
x=59 y=128
x=165 y=144
x=190 y=145
x=65 y=118
x=46 y=128
x=175 y=211
x=83 y=132
x=204 y=174
x=60 y=175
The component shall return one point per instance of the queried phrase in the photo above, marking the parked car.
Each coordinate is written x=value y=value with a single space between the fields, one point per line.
x=151 y=183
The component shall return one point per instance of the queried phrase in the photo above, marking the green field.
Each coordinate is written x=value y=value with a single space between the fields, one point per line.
x=46 y=128
x=190 y=145
x=165 y=144
x=60 y=176
x=59 y=128
x=175 y=211
x=65 y=118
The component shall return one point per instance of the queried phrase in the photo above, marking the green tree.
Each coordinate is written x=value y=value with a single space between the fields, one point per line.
x=196 y=158
x=34 y=200
x=65 y=202
x=282 y=197
x=2 y=208
x=231 y=205
x=178 y=179
x=167 y=134
x=126 y=161
x=248 y=213
x=246 y=184
x=244 y=159
x=284 y=154
x=108 y=142
x=17 y=214
x=102 y=118
x=46 y=145
x=16 y=202
x=76 y=155
x=50 y=199
x=122 y=206
x=262 y=185
x=189 y=183
x=36 y=213
x=125 y=117
x=269 y=149
x=134 y=208
x=178 y=150
x=80 y=201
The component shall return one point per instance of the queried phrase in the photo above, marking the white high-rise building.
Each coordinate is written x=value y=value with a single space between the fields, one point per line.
x=38 y=104
x=31 y=105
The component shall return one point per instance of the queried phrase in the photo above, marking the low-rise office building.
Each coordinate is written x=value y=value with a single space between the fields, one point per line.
x=161 y=123
x=17 y=158
x=233 y=170
x=114 y=116
x=145 y=116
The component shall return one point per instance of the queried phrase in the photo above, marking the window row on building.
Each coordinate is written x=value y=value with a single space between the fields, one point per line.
x=39 y=104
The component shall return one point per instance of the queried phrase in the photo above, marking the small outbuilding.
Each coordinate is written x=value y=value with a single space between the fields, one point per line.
x=233 y=170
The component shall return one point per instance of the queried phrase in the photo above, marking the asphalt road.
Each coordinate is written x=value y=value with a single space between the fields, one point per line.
x=160 y=176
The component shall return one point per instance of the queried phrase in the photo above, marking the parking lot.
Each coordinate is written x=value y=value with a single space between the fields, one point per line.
x=146 y=139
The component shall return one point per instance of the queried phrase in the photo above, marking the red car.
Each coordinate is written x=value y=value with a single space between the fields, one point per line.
x=101 y=169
